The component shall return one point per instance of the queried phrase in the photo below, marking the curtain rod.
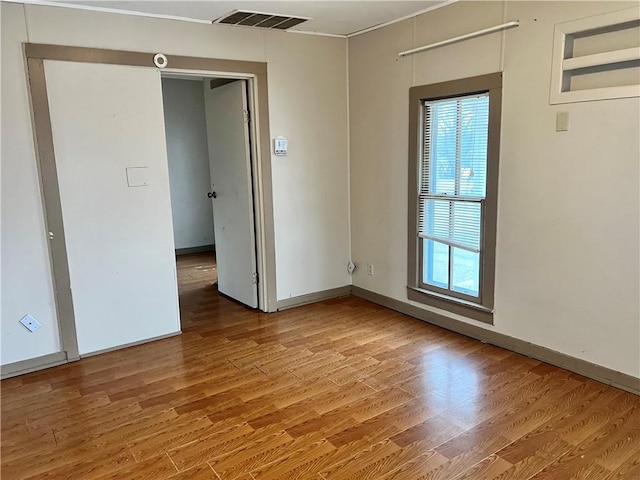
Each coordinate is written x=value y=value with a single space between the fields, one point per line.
x=504 y=26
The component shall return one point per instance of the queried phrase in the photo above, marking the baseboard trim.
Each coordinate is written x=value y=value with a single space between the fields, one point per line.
x=313 y=297
x=132 y=344
x=582 y=367
x=33 y=364
x=190 y=250
x=60 y=358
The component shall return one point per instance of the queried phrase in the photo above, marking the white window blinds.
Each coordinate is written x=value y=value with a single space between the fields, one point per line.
x=453 y=174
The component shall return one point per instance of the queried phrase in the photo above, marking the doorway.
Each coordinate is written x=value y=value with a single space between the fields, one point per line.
x=115 y=213
x=211 y=166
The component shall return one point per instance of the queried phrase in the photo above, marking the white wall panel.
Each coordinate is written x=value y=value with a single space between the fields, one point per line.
x=568 y=234
x=26 y=280
x=107 y=119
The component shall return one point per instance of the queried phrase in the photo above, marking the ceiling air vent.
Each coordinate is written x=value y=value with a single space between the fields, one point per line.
x=247 y=18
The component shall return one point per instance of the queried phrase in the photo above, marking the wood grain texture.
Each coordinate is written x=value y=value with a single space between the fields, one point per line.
x=342 y=389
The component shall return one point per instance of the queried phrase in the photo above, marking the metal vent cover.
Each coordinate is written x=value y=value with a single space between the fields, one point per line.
x=247 y=18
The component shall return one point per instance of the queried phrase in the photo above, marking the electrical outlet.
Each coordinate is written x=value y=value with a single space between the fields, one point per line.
x=351 y=267
x=370 y=269
x=30 y=323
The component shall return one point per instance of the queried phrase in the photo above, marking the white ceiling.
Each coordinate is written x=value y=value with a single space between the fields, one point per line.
x=329 y=16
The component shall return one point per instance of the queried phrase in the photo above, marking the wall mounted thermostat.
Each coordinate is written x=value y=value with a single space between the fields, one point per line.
x=280 y=146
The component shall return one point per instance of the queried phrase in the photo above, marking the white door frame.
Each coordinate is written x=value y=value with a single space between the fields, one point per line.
x=254 y=72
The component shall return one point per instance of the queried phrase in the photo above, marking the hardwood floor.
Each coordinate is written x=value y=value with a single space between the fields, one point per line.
x=337 y=390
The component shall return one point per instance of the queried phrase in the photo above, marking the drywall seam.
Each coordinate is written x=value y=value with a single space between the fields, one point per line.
x=348 y=155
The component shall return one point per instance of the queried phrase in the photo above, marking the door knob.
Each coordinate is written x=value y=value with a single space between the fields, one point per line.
x=212 y=195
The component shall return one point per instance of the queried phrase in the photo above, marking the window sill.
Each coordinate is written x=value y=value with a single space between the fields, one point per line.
x=450 y=304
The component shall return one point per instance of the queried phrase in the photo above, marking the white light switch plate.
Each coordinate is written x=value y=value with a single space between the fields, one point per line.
x=562 y=121
x=30 y=323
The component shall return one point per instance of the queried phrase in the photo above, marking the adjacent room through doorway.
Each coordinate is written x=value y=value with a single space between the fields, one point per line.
x=197 y=288
x=189 y=179
x=209 y=158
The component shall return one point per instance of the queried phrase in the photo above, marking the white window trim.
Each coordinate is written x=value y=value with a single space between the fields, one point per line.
x=561 y=65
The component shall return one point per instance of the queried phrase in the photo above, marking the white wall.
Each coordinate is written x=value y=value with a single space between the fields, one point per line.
x=26 y=281
x=567 y=254
x=568 y=232
x=188 y=156
x=307 y=98
x=316 y=148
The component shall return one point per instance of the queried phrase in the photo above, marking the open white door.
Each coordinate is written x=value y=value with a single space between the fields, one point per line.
x=108 y=134
x=230 y=167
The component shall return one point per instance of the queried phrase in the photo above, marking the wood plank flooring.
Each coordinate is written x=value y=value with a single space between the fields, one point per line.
x=337 y=390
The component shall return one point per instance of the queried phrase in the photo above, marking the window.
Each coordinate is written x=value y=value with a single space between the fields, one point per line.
x=455 y=136
x=596 y=58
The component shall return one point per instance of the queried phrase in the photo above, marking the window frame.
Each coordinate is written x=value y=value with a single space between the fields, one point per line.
x=463 y=305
